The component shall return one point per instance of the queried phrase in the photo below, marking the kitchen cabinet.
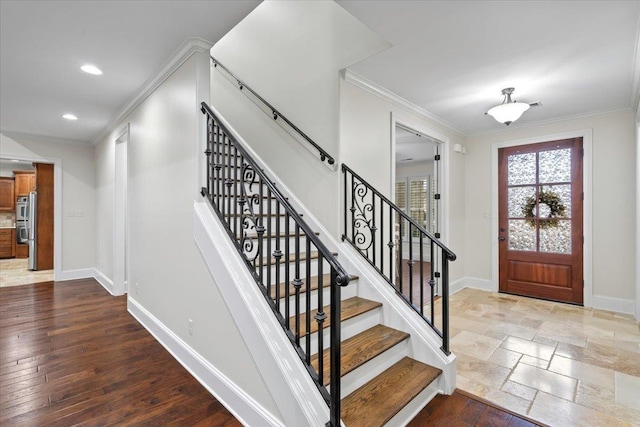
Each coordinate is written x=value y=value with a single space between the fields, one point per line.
x=7 y=194
x=22 y=250
x=25 y=182
x=7 y=242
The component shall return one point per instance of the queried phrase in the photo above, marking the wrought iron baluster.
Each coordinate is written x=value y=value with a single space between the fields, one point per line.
x=236 y=216
x=381 y=237
x=353 y=210
x=410 y=263
x=422 y=275
x=277 y=255
x=297 y=284
x=287 y=266
x=432 y=282
x=218 y=165
x=320 y=317
x=269 y=219
x=307 y=320
x=260 y=230
x=391 y=242
x=400 y=263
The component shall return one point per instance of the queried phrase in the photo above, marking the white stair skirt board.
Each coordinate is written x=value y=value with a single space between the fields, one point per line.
x=243 y=407
x=299 y=400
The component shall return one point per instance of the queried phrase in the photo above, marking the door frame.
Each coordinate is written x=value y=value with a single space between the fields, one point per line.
x=587 y=185
x=120 y=218
x=443 y=171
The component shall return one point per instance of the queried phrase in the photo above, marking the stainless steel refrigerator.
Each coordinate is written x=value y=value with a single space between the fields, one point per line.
x=32 y=228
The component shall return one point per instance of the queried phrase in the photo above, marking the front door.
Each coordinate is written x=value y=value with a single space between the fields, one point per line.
x=540 y=220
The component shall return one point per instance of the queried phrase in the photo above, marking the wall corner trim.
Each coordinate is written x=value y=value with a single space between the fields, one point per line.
x=103 y=280
x=218 y=384
x=189 y=47
x=374 y=88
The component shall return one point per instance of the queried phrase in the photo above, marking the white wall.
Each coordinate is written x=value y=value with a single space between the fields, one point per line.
x=7 y=167
x=78 y=237
x=365 y=146
x=168 y=277
x=291 y=52
x=613 y=169
x=638 y=213
x=405 y=170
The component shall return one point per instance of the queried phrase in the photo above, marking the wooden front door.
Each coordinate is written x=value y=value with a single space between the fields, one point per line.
x=540 y=220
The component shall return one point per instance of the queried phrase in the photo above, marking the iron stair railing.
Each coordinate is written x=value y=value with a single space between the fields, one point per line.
x=324 y=156
x=374 y=225
x=259 y=219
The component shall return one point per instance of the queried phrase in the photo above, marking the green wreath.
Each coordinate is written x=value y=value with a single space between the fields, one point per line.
x=556 y=208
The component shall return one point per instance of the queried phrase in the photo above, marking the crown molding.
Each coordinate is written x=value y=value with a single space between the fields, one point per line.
x=189 y=47
x=371 y=87
x=557 y=120
x=43 y=139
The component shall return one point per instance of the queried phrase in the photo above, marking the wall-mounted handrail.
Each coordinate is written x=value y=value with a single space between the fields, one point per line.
x=324 y=156
x=374 y=225
x=278 y=247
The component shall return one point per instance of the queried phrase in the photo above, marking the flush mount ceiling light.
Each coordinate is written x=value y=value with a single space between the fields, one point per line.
x=69 y=116
x=91 y=69
x=509 y=111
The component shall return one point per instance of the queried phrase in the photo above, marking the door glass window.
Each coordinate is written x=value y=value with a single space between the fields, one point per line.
x=539 y=201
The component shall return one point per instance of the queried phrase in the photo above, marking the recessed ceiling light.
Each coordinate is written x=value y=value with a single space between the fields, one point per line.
x=69 y=117
x=14 y=160
x=91 y=69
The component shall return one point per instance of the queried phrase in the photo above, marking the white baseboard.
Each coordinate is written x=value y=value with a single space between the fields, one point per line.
x=103 y=280
x=81 y=273
x=618 y=305
x=471 y=282
x=242 y=406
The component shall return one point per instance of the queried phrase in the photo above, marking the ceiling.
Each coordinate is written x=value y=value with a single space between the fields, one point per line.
x=412 y=147
x=450 y=58
x=44 y=43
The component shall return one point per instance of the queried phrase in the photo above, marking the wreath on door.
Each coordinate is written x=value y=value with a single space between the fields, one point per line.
x=549 y=206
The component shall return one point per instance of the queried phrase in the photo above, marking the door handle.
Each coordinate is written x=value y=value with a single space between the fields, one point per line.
x=502 y=238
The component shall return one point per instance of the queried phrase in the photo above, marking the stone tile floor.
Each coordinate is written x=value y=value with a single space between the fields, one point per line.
x=559 y=364
x=15 y=272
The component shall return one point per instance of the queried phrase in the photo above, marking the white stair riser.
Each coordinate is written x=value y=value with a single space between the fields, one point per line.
x=350 y=328
x=345 y=293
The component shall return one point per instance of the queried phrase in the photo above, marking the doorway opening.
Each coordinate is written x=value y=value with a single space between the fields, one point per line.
x=28 y=243
x=417 y=191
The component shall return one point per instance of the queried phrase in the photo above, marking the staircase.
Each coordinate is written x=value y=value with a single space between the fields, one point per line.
x=380 y=380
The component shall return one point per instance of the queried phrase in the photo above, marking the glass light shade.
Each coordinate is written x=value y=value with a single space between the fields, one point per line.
x=508 y=113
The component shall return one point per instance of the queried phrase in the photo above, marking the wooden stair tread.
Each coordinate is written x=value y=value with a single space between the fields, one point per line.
x=376 y=402
x=326 y=279
x=351 y=307
x=359 y=349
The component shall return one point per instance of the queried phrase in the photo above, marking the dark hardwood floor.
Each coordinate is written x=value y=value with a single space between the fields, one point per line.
x=464 y=410
x=71 y=355
x=413 y=282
